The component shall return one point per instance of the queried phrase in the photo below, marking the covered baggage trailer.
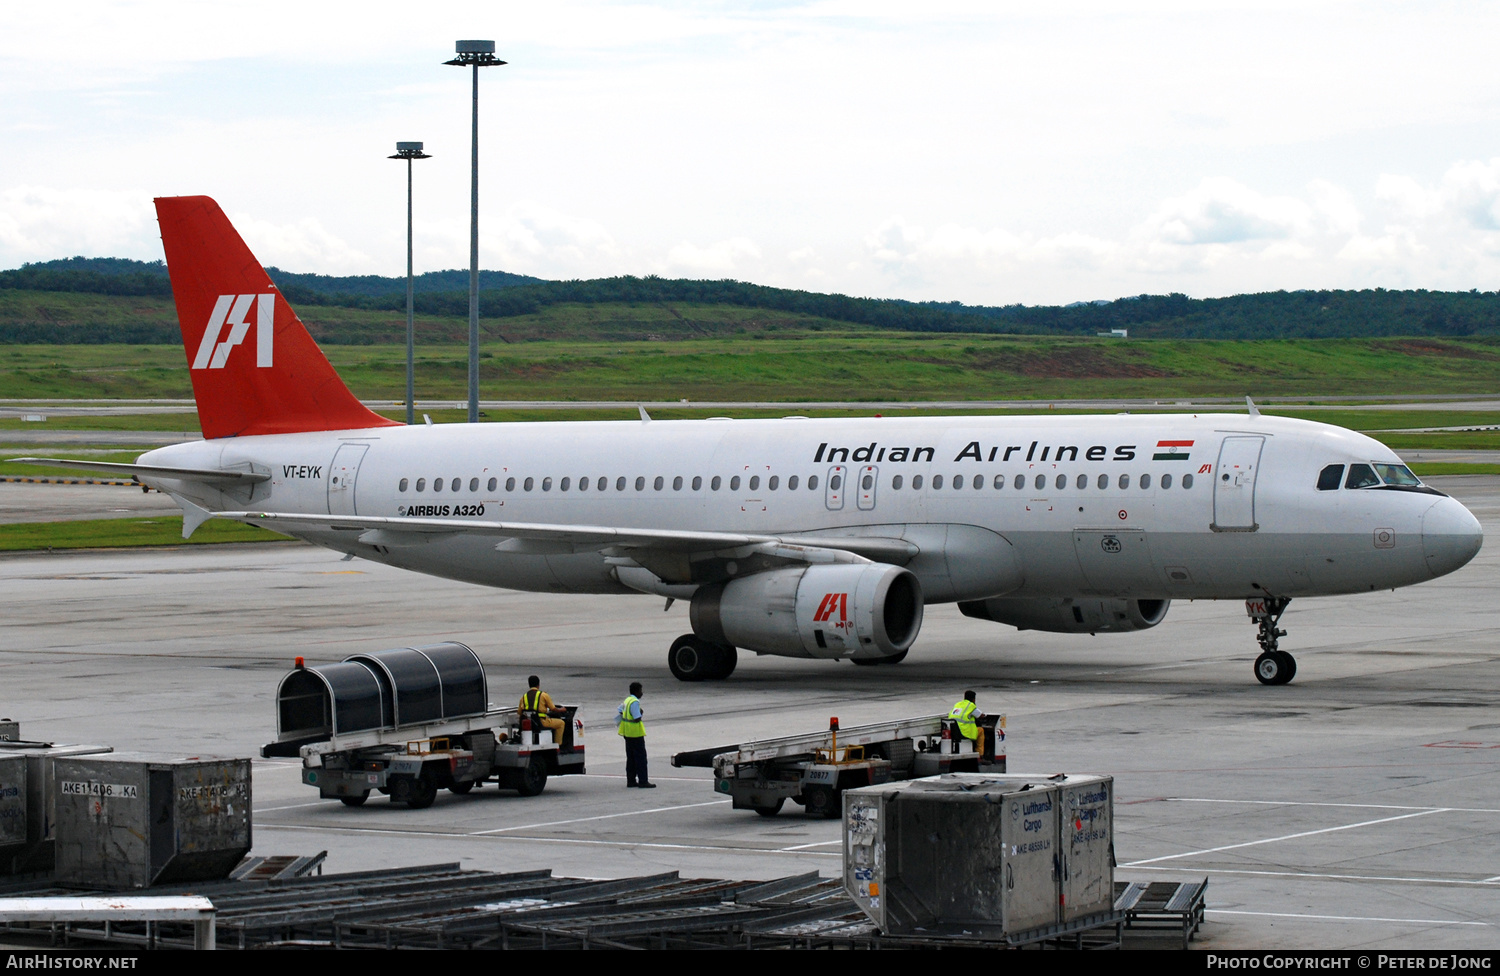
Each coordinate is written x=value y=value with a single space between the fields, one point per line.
x=815 y=769
x=411 y=721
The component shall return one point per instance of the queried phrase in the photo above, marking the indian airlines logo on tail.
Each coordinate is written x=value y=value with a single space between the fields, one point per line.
x=234 y=311
x=1173 y=451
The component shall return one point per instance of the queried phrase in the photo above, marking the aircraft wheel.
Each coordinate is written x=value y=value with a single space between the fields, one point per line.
x=1290 y=663
x=728 y=658
x=1272 y=669
x=694 y=659
x=896 y=658
x=355 y=801
x=771 y=810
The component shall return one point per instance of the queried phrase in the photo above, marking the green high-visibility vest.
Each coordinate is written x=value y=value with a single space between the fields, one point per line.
x=631 y=728
x=964 y=712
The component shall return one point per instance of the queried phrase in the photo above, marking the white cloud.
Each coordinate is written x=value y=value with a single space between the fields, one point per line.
x=723 y=259
x=44 y=222
x=537 y=239
x=1224 y=211
x=301 y=245
x=1471 y=190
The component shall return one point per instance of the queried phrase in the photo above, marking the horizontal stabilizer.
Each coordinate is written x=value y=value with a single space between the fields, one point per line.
x=209 y=475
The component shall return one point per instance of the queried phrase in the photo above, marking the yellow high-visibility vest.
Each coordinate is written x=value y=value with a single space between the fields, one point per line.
x=631 y=728
x=963 y=712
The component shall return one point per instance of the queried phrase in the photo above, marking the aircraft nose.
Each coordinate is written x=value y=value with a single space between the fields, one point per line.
x=1451 y=536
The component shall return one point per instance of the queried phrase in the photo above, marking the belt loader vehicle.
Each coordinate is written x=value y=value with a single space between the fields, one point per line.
x=814 y=769
x=411 y=721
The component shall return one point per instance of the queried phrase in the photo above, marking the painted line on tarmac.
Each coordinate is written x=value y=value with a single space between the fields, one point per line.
x=1321 y=876
x=1311 y=803
x=621 y=844
x=291 y=806
x=803 y=847
x=1348 y=918
x=605 y=816
x=1296 y=836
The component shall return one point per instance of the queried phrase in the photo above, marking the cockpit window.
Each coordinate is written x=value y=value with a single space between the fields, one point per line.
x=1329 y=477
x=1361 y=476
x=1397 y=474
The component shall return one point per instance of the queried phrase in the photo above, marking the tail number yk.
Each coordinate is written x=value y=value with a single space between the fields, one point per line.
x=234 y=311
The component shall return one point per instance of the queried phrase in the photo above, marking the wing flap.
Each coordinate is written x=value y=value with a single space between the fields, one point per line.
x=544 y=537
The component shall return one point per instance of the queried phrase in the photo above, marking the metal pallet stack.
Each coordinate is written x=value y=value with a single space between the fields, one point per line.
x=441 y=906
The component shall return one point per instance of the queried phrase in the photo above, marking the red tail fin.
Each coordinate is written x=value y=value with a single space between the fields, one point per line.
x=255 y=368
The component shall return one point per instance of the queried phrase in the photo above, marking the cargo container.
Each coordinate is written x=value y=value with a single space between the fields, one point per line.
x=133 y=820
x=35 y=855
x=1011 y=856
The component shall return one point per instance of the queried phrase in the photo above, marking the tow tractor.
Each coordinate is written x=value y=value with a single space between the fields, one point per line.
x=814 y=769
x=410 y=721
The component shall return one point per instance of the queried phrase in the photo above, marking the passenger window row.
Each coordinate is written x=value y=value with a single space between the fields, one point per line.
x=1039 y=482
x=753 y=483
x=773 y=483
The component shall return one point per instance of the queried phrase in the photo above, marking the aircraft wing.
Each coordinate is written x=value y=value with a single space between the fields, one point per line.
x=543 y=537
x=209 y=475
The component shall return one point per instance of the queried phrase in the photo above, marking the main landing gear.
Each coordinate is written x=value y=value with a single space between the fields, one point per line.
x=692 y=658
x=1274 y=666
x=896 y=658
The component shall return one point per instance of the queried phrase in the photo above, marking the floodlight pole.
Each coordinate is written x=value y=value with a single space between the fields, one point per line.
x=478 y=54
x=409 y=151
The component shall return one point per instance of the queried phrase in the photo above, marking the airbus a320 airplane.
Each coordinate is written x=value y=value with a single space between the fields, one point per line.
x=797 y=537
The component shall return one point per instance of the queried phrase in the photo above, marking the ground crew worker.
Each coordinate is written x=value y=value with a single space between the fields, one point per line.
x=551 y=717
x=632 y=726
x=966 y=714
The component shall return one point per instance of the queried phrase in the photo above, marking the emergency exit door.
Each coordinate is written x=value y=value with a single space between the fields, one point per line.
x=868 y=477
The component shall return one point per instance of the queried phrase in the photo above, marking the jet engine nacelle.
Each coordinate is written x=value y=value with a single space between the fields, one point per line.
x=868 y=611
x=1087 y=615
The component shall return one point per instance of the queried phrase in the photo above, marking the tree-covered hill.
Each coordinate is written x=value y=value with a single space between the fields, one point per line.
x=444 y=294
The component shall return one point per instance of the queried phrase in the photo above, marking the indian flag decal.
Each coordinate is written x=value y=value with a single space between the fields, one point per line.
x=1172 y=451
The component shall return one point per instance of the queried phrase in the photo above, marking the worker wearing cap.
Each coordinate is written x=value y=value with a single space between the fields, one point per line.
x=631 y=724
x=967 y=714
x=537 y=700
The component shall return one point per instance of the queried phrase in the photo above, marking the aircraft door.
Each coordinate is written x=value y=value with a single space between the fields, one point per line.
x=342 y=475
x=834 y=495
x=869 y=477
x=1234 y=484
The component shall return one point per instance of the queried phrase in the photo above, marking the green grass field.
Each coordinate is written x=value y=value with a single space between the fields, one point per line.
x=803 y=360
x=125 y=532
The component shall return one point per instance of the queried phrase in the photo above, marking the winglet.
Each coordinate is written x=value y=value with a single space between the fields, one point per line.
x=1254 y=410
x=645 y=417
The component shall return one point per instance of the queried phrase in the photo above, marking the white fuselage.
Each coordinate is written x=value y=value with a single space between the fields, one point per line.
x=1054 y=506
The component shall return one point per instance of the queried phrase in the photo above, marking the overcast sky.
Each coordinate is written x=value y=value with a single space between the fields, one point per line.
x=986 y=152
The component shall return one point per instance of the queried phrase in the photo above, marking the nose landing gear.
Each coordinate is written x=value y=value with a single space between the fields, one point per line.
x=1274 y=666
